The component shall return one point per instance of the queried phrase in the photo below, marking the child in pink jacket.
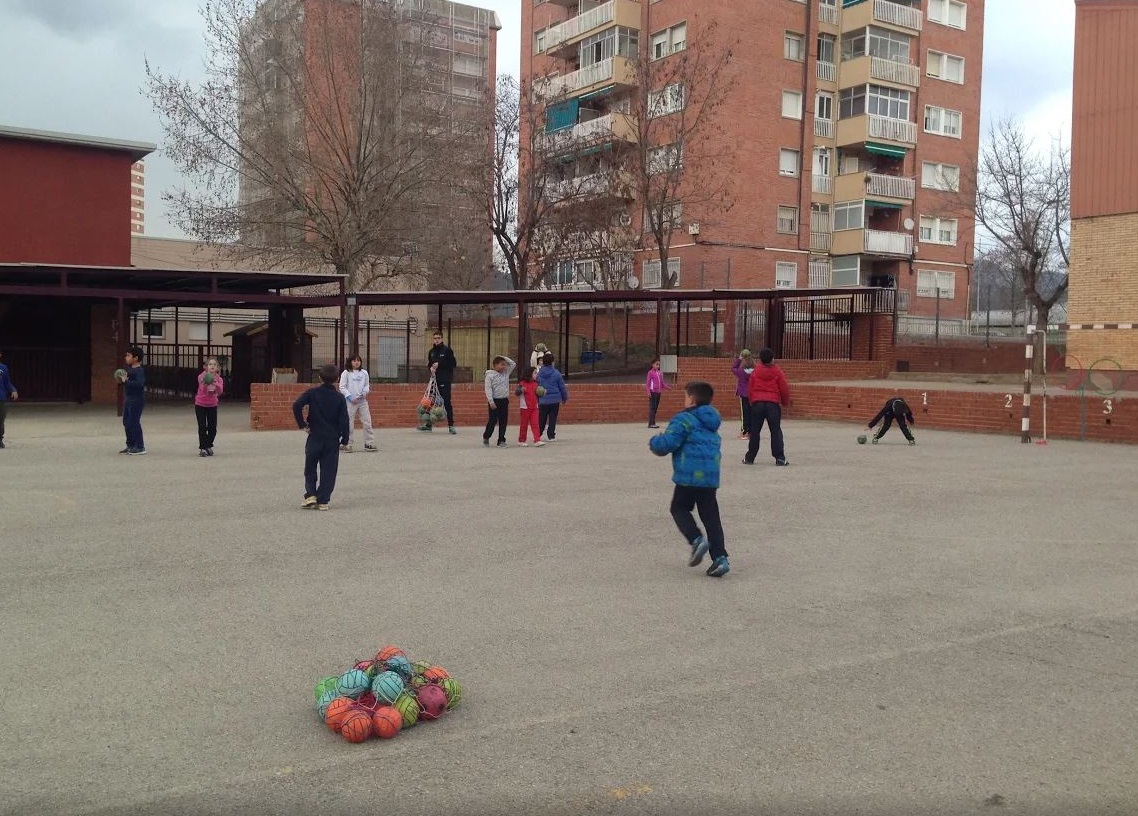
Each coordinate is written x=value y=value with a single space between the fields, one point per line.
x=205 y=405
x=656 y=385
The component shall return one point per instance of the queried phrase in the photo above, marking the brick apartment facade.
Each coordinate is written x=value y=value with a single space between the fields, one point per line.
x=1104 y=185
x=846 y=121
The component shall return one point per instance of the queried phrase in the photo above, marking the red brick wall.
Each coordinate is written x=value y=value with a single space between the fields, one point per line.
x=959 y=357
x=104 y=355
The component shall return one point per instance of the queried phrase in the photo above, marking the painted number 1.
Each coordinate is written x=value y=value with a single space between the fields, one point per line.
x=924 y=398
x=1007 y=400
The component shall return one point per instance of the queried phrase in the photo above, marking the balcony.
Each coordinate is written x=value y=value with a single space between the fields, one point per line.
x=565 y=36
x=828 y=13
x=821 y=242
x=881 y=12
x=611 y=127
x=822 y=184
x=871 y=128
x=611 y=184
x=827 y=71
x=612 y=71
x=865 y=69
x=879 y=186
x=872 y=242
x=824 y=128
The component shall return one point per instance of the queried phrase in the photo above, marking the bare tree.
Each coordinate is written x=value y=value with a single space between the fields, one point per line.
x=677 y=166
x=319 y=136
x=1023 y=202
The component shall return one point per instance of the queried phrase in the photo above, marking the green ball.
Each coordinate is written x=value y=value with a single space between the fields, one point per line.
x=325 y=684
x=420 y=666
x=861 y=439
x=407 y=705
x=120 y=374
x=453 y=690
x=541 y=390
x=208 y=379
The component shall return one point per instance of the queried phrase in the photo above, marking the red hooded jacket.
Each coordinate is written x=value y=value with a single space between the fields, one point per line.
x=768 y=384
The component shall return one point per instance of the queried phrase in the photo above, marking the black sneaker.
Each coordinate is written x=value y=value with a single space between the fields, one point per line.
x=719 y=567
x=137 y=452
x=485 y=442
x=781 y=462
x=209 y=451
x=698 y=551
x=125 y=450
x=501 y=443
x=202 y=453
x=1 y=443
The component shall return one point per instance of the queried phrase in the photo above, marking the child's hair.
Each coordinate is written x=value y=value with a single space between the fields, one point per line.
x=766 y=356
x=436 y=333
x=547 y=359
x=498 y=359
x=527 y=373
x=136 y=352
x=350 y=360
x=700 y=391
x=212 y=360
x=655 y=360
x=329 y=374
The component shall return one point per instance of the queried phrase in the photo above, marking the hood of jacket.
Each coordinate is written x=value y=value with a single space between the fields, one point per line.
x=706 y=416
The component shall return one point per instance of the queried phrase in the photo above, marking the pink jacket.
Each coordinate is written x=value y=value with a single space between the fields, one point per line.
x=655 y=382
x=206 y=398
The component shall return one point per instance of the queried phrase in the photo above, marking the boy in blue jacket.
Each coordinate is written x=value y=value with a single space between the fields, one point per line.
x=549 y=402
x=692 y=437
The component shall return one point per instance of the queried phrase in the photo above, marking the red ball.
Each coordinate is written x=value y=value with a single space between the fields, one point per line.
x=337 y=710
x=433 y=701
x=386 y=722
x=366 y=700
x=356 y=727
x=435 y=674
x=363 y=665
x=388 y=652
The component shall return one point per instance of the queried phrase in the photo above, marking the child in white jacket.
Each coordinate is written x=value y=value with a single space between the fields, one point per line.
x=355 y=384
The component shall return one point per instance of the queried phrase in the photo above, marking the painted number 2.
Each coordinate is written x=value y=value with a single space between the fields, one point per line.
x=1108 y=406
x=1007 y=400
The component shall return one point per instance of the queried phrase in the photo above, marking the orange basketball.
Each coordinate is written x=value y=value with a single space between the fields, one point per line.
x=435 y=674
x=426 y=402
x=356 y=727
x=387 y=722
x=388 y=652
x=338 y=709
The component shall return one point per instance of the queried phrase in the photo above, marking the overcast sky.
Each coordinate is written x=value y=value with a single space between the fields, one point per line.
x=77 y=66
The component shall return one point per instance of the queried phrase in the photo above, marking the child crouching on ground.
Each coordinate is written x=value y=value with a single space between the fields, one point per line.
x=692 y=437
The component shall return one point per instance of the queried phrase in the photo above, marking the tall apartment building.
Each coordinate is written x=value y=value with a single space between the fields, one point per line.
x=1104 y=187
x=851 y=123
x=333 y=77
x=138 y=198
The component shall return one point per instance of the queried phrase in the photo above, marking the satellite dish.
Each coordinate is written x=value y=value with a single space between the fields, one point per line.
x=908 y=223
x=633 y=282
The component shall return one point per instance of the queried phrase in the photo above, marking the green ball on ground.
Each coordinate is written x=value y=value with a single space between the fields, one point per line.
x=861 y=440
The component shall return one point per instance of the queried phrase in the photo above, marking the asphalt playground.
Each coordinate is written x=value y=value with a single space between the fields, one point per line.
x=950 y=628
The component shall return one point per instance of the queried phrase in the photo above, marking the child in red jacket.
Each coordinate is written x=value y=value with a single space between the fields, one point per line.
x=767 y=392
x=527 y=394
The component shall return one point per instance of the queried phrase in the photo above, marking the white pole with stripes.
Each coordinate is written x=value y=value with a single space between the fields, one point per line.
x=1028 y=350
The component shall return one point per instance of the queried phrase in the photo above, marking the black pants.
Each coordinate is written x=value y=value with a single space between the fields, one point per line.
x=132 y=424
x=207 y=425
x=547 y=419
x=745 y=413
x=684 y=499
x=322 y=454
x=770 y=413
x=901 y=423
x=498 y=415
x=3 y=414
x=653 y=406
x=444 y=392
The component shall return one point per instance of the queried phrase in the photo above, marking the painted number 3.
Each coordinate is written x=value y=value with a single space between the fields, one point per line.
x=1108 y=406
x=1007 y=400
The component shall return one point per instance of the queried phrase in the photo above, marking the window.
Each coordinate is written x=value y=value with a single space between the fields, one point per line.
x=787 y=220
x=821 y=161
x=824 y=106
x=946 y=67
x=849 y=215
x=198 y=332
x=876 y=42
x=948 y=12
x=665 y=159
x=791 y=105
x=889 y=102
x=670 y=214
x=154 y=329
x=669 y=41
x=937 y=176
x=930 y=282
x=669 y=99
x=938 y=230
x=787 y=162
x=793 y=46
x=825 y=48
x=785 y=275
x=851 y=102
x=650 y=273
x=845 y=270
x=943 y=121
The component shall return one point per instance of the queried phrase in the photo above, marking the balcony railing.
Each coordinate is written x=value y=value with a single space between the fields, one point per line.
x=898 y=15
x=578 y=25
x=592 y=185
x=822 y=184
x=879 y=184
x=892 y=71
x=602 y=129
x=819 y=272
x=895 y=130
x=824 y=128
x=554 y=86
x=828 y=13
x=890 y=243
x=827 y=71
x=821 y=242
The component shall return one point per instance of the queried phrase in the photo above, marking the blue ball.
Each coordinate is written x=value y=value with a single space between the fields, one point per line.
x=324 y=699
x=353 y=683
x=400 y=665
x=387 y=686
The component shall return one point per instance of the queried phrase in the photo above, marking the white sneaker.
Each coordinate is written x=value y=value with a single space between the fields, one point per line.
x=538 y=443
x=523 y=444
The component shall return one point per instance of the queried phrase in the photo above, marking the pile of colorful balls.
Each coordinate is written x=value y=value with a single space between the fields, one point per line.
x=382 y=696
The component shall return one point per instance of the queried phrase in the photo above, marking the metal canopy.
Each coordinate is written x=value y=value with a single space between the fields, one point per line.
x=885 y=150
